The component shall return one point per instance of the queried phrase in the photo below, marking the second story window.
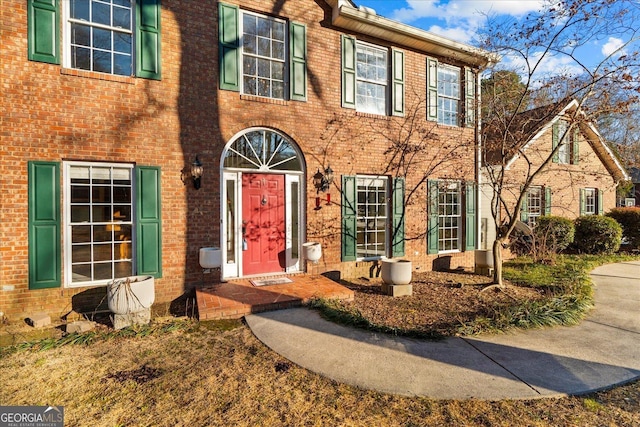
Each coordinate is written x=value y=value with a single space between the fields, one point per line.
x=569 y=141
x=263 y=56
x=450 y=100
x=101 y=36
x=448 y=95
x=371 y=79
x=117 y=37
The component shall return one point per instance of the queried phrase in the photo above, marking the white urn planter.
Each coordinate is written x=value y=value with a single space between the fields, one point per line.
x=396 y=271
x=130 y=300
x=396 y=277
x=312 y=251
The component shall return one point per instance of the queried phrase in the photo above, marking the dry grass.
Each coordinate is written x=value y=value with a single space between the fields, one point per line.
x=208 y=376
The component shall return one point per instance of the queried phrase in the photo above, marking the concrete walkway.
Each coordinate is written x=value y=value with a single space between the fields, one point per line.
x=604 y=350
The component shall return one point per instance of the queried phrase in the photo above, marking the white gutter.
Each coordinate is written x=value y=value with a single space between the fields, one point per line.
x=365 y=21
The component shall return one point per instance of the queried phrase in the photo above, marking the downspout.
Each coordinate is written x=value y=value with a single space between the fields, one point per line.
x=478 y=134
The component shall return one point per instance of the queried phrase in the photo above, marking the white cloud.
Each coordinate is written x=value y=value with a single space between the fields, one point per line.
x=545 y=66
x=459 y=34
x=464 y=10
x=612 y=46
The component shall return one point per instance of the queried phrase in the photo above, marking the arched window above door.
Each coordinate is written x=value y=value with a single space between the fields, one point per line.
x=264 y=150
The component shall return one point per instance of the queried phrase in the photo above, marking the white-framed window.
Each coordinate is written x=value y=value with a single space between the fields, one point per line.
x=371 y=79
x=99 y=222
x=534 y=205
x=448 y=95
x=563 y=154
x=372 y=201
x=99 y=35
x=449 y=216
x=264 y=53
x=590 y=201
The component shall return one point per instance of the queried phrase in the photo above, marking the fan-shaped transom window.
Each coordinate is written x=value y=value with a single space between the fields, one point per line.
x=264 y=150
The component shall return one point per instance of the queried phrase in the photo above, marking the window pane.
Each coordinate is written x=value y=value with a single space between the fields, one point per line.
x=122 y=18
x=80 y=234
x=80 y=214
x=250 y=44
x=122 y=65
x=264 y=68
x=81 y=253
x=100 y=13
x=122 y=44
x=101 y=61
x=278 y=31
x=79 y=9
x=264 y=27
x=264 y=47
x=80 y=35
x=81 y=58
x=278 y=50
x=264 y=87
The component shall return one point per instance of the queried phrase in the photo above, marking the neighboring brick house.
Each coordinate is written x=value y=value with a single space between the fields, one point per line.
x=107 y=104
x=581 y=175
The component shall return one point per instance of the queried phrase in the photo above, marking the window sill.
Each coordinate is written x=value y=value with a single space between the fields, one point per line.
x=372 y=115
x=98 y=76
x=264 y=100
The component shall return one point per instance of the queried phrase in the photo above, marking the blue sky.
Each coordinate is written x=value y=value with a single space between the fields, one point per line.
x=460 y=19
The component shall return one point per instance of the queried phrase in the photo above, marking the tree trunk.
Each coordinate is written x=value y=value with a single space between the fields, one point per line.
x=497 y=262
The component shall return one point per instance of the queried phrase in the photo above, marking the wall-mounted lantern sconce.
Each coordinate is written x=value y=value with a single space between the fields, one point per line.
x=322 y=182
x=196 y=172
x=192 y=173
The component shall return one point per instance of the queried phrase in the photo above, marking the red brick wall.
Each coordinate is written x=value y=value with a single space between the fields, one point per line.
x=55 y=114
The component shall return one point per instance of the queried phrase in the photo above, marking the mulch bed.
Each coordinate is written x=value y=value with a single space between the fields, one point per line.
x=441 y=302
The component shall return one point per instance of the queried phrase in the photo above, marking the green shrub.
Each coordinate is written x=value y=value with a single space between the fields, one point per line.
x=554 y=232
x=629 y=219
x=597 y=234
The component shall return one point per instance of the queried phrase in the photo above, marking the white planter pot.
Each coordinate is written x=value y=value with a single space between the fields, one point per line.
x=396 y=271
x=312 y=251
x=210 y=257
x=131 y=294
x=484 y=258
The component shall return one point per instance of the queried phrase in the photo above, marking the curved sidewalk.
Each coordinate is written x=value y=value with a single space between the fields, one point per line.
x=604 y=350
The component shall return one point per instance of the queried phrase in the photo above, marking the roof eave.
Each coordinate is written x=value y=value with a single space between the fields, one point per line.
x=364 y=22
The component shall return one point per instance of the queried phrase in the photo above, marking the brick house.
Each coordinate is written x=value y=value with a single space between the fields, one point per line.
x=107 y=105
x=580 y=178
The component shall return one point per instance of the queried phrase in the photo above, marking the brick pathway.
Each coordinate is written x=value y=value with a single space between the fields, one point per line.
x=234 y=299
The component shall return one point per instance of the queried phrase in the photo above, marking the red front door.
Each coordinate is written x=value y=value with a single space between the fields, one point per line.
x=263 y=223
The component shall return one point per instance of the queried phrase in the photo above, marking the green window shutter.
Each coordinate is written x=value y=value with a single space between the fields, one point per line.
x=349 y=218
x=43 y=17
x=229 y=47
x=298 y=36
x=397 y=95
x=547 y=200
x=348 y=72
x=432 y=89
x=148 y=39
x=148 y=221
x=600 y=206
x=470 y=218
x=583 y=201
x=397 y=233
x=555 y=137
x=575 y=150
x=44 y=225
x=524 y=209
x=433 y=245
x=470 y=91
